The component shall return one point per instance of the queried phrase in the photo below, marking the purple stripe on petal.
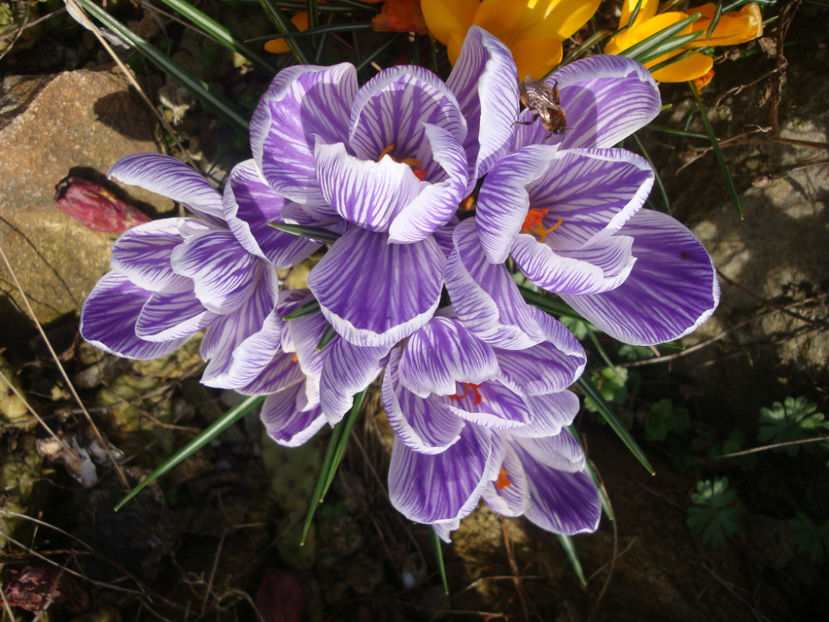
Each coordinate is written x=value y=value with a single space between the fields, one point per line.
x=437 y=202
x=171 y=178
x=364 y=192
x=374 y=293
x=444 y=528
x=561 y=451
x=249 y=205
x=223 y=272
x=672 y=289
x=282 y=372
x=392 y=108
x=109 y=315
x=443 y=353
x=588 y=270
x=347 y=370
x=143 y=253
x=540 y=369
x=503 y=201
x=560 y=502
x=550 y=413
x=508 y=493
x=288 y=420
x=301 y=335
x=491 y=404
x=424 y=425
x=608 y=98
x=252 y=356
x=172 y=313
x=485 y=297
x=593 y=191
x=429 y=488
x=485 y=82
x=303 y=105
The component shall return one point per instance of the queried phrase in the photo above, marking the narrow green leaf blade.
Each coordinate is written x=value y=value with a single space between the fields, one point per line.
x=436 y=545
x=587 y=386
x=570 y=550
x=646 y=46
x=200 y=89
x=284 y=25
x=211 y=432
x=302 y=310
x=314 y=233
x=715 y=146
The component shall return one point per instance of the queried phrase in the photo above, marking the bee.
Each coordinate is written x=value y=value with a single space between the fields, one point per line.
x=545 y=103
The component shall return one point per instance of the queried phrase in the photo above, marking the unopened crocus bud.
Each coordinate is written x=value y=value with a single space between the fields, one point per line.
x=96 y=207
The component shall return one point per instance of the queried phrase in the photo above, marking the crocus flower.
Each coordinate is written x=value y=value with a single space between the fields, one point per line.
x=533 y=30
x=391 y=160
x=174 y=277
x=567 y=208
x=733 y=28
x=473 y=419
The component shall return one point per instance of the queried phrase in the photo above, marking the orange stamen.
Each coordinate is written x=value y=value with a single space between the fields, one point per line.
x=385 y=152
x=294 y=358
x=503 y=479
x=534 y=224
x=468 y=204
x=466 y=387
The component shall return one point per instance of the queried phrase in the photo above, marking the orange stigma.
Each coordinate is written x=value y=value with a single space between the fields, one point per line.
x=294 y=358
x=466 y=387
x=534 y=224
x=468 y=204
x=503 y=479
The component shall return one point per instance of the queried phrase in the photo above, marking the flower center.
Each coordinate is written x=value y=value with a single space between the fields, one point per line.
x=503 y=479
x=534 y=224
x=466 y=387
x=411 y=162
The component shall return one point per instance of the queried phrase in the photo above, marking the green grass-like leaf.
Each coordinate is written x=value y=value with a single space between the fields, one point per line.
x=570 y=550
x=284 y=25
x=711 y=515
x=545 y=302
x=302 y=310
x=664 y=41
x=438 y=549
x=200 y=89
x=216 y=428
x=715 y=145
x=590 y=390
x=319 y=234
x=331 y=461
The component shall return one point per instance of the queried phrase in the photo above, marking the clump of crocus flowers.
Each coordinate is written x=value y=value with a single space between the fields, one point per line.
x=415 y=195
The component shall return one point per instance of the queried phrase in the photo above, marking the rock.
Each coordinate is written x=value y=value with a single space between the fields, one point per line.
x=82 y=121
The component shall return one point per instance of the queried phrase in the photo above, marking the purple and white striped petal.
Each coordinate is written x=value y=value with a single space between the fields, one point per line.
x=228 y=331
x=282 y=372
x=172 y=313
x=485 y=297
x=490 y=404
x=561 y=451
x=143 y=253
x=438 y=200
x=424 y=425
x=249 y=205
x=303 y=105
x=672 y=289
x=443 y=353
x=509 y=492
x=540 y=369
x=550 y=413
x=171 y=178
x=503 y=201
x=374 y=293
x=592 y=191
x=347 y=369
x=606 y=98
x=223 y=273
x=600 y=267
x=287 y=418
x=302 y=335
x=393 y=108
x=442 y=487
x=365 y=192
x=562 y=502
x=250 y=358
x=485 y=82
x=109 y=315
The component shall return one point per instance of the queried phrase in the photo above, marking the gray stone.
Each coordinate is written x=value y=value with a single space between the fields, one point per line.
x=48 y=125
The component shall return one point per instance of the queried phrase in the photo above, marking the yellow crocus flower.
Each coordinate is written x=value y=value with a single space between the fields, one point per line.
x=733 y=28
x=533 y=30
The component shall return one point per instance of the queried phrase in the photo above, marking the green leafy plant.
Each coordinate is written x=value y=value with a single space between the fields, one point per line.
x=793 y=420
x=810 y=538
x=611 y=383
x=713 y=516
x=663 y=418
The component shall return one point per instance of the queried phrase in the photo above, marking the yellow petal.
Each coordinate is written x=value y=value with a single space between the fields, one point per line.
x=561 y=18
x=647 y=9
x=513 y=20
x=278 y=46
x=454 y=45
x=444 y=17
x=733 y=28
x=501 y=18
x=690 y=68
x=536 y=57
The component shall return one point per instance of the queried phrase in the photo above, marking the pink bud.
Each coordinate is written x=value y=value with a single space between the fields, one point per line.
x=96 y=207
